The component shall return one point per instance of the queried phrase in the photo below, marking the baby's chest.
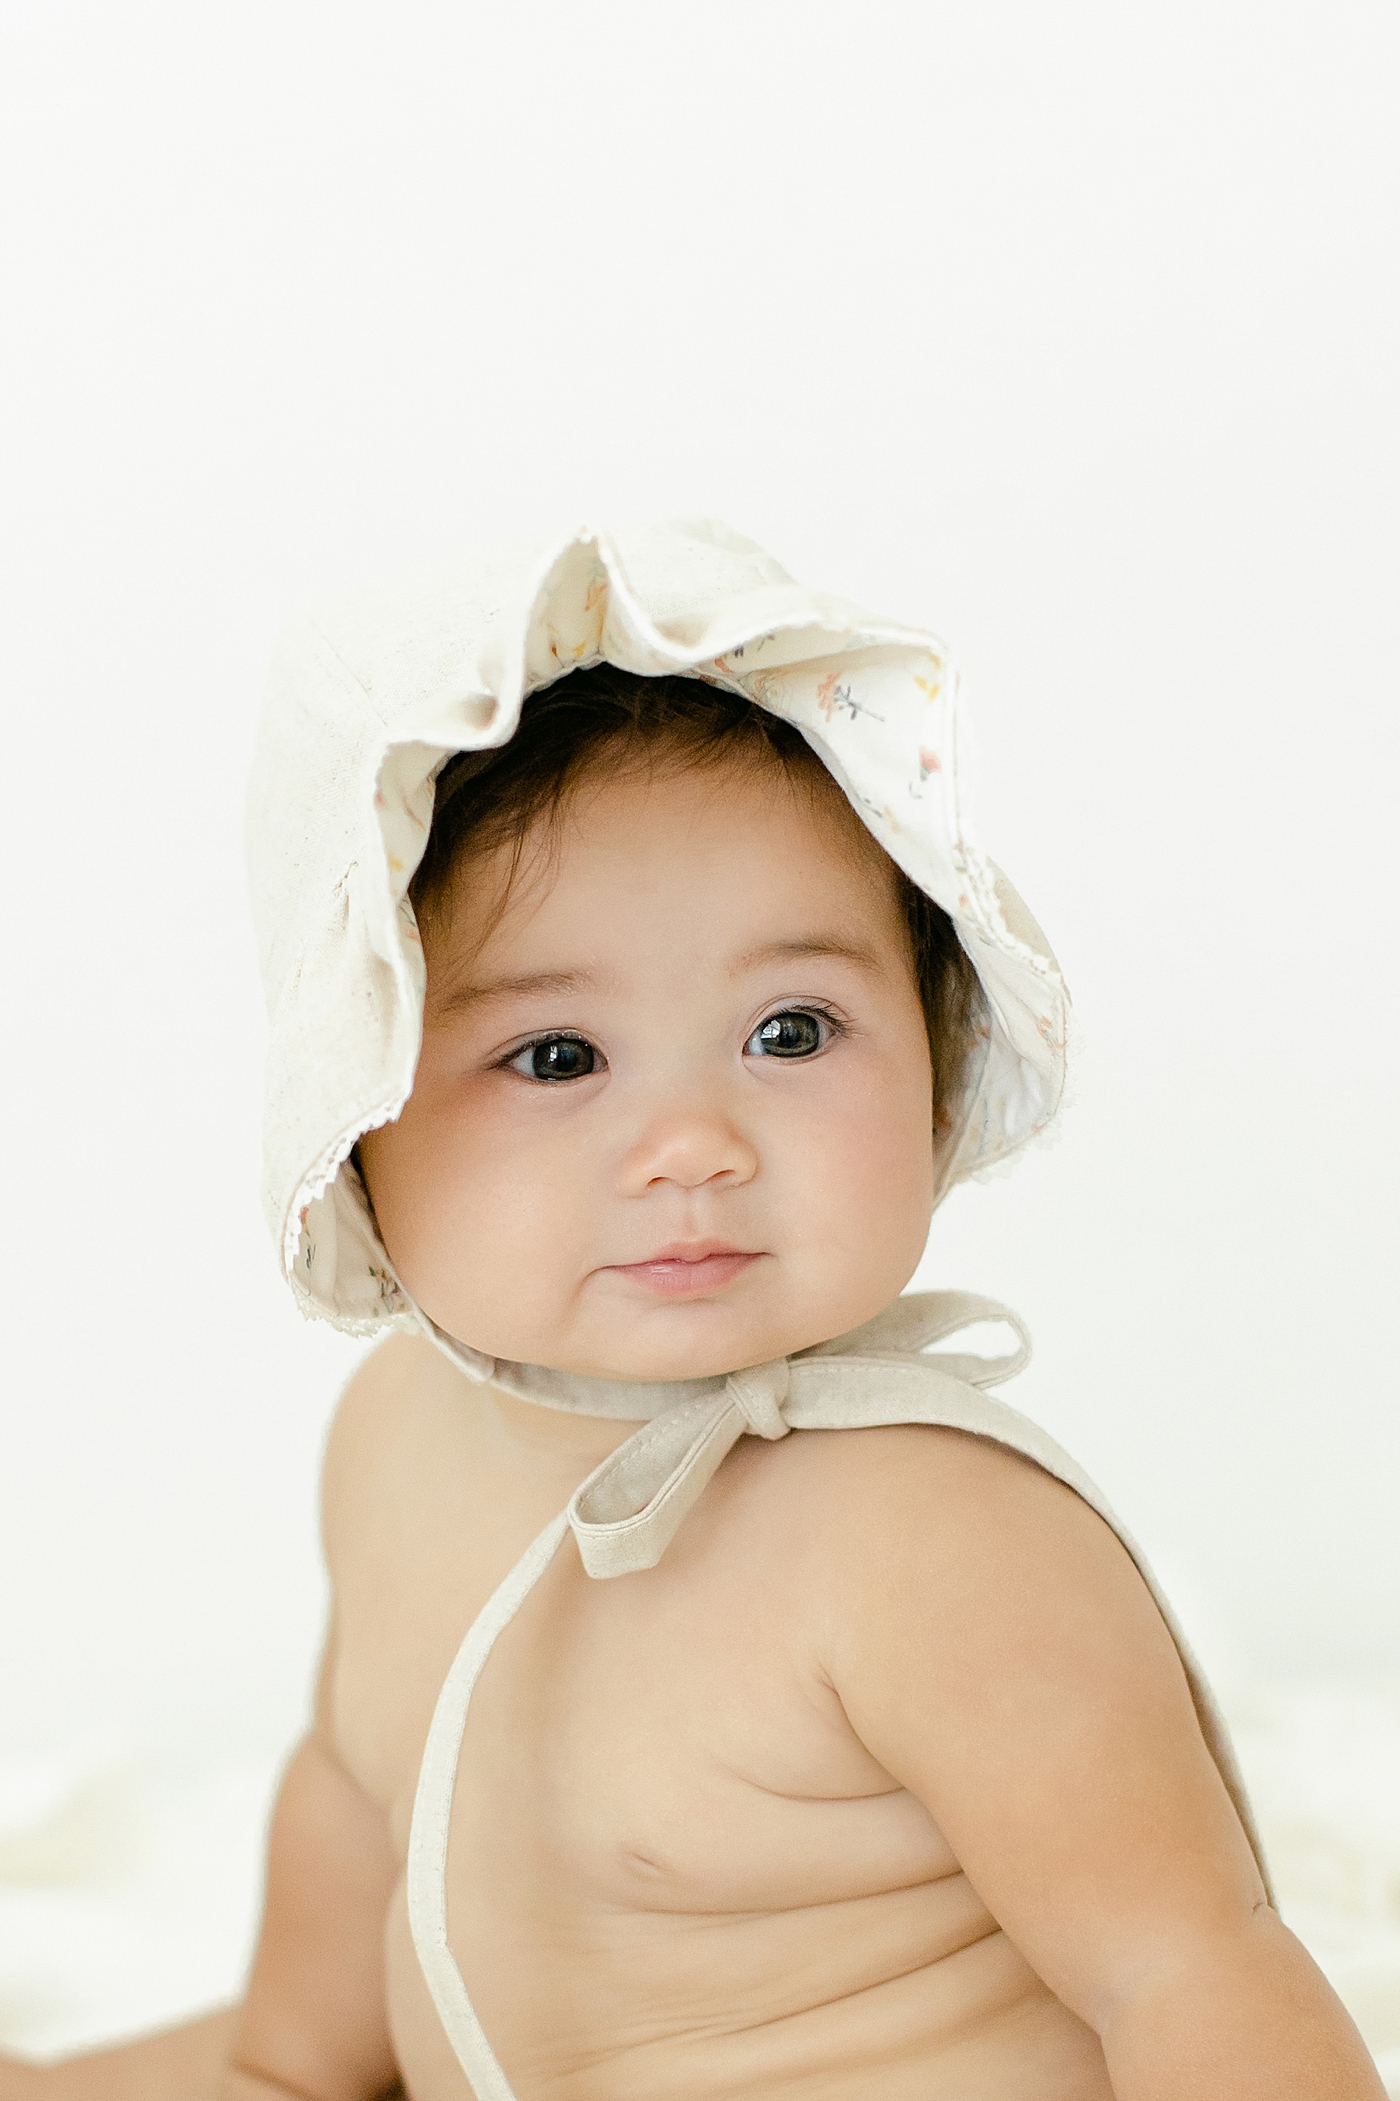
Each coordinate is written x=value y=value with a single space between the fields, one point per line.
x=663 y=1739
x=654 y=1743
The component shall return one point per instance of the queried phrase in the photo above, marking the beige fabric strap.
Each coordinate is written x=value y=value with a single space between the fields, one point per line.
x=627 y=1511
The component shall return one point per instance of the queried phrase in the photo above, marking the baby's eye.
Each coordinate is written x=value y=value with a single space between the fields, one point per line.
x=555 y=1058
x=792 y=1034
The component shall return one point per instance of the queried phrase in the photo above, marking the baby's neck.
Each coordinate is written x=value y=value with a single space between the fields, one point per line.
x=545 y=1440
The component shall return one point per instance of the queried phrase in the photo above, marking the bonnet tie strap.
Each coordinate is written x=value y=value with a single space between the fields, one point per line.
x=625 y=1515
x=627 y=1512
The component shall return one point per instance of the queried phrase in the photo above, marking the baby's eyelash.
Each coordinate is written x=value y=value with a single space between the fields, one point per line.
x=834 y=1021
x=508 y=1057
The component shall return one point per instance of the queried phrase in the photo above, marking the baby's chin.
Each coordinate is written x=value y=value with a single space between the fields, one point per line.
x=644 y=1353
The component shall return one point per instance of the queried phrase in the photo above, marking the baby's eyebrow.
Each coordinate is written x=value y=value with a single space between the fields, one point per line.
x=457 y=998
x=818 y=945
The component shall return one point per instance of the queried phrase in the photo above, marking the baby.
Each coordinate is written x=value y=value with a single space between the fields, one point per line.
x=722 y=1697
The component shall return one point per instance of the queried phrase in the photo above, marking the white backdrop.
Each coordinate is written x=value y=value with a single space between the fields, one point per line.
x=1070 y=331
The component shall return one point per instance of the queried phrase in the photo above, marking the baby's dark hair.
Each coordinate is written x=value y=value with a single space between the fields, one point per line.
x=588 y=721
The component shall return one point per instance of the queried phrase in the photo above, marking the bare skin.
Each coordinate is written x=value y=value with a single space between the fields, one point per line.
x=186 y=2063
x=886 y=1780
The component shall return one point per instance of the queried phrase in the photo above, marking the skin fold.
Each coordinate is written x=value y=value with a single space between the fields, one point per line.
x=886 y=1781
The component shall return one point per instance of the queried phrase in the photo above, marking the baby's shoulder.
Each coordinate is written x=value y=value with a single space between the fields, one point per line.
x=917 y=1511
x=919 y=1472
x=397 y=1421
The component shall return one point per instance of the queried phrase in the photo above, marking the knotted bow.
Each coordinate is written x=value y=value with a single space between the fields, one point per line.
x=628 y=1510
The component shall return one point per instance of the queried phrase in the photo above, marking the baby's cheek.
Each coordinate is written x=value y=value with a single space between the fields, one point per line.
x=877 y=1168
x=889 y=1191
x=496 y=1236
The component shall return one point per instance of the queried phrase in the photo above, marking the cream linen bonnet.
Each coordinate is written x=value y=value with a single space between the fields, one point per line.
x=370 y=695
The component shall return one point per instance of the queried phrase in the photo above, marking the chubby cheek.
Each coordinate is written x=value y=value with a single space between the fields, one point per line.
x=480 y=1220
x=859 y=1187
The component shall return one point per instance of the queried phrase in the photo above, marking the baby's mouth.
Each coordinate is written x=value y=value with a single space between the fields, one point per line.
x=687 y=1269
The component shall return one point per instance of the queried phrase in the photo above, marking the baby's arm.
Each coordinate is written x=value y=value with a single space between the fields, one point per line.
x=313 y=2022
x=312 y=2026
x=994 y=1647
x=186 y=2063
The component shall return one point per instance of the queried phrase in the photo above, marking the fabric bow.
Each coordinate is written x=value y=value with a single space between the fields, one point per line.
x=626 y=1513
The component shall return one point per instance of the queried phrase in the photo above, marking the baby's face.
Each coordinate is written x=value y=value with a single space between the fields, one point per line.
x=672 y=1113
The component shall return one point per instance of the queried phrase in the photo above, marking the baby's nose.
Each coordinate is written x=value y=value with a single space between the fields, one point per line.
x=690 y=1146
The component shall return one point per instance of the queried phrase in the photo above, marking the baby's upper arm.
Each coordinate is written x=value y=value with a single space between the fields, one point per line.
x=995 y=1648
x=315 y=2018
x=370 y=1447
x=378 y=1453
x=398 y=1520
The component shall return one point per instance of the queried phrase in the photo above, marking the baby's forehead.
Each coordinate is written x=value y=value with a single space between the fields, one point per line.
x=617 y=810
x=748 y=838
x=647 y=876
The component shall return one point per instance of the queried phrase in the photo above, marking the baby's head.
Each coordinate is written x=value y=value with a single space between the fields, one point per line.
x=679 y=996
x=690 y=1044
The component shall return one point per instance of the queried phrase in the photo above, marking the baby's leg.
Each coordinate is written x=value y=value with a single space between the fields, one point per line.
x=189 y=2063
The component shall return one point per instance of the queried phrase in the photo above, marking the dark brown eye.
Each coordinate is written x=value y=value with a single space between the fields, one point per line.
x=555 y=1058
x=792 y=1035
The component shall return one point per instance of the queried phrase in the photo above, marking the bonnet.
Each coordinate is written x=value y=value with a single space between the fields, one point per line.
x=369 y=697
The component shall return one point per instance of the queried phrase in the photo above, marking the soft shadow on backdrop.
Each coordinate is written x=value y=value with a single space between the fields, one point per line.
x=1070 y=332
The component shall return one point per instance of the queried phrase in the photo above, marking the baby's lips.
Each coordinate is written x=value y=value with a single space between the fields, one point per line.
x=688 y=1275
